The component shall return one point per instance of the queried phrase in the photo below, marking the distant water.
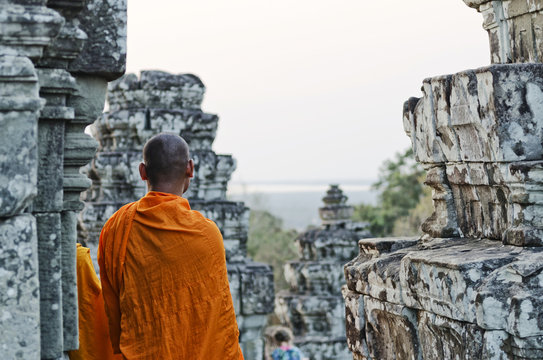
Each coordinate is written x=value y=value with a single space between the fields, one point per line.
x=296 y=204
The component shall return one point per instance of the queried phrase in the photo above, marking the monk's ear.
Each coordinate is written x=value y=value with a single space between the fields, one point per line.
x=143 y=172
x=189 y=171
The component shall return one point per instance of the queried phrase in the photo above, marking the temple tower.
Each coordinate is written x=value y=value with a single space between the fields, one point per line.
x=313 y=307
x=155 y=102
x=471 y=287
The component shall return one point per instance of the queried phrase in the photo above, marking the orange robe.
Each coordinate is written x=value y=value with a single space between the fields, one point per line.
x=94 y=343
x=165 y=285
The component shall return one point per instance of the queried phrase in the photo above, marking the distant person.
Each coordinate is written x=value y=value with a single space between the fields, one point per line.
x=94 y=343
x=286 y=351
x=163 y=268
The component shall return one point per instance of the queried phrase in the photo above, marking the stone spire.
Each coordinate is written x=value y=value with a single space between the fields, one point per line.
x=470 y=287
x=155 y=102
x=313 y=306
x=335 y=209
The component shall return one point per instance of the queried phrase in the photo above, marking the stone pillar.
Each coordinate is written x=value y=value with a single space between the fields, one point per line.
x=38 y=44
x=27 y=27
x=470 y=287
x=313 y=307
x=160 y=102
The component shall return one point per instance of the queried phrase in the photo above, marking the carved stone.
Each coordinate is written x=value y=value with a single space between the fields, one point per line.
x=39 y=156
x=471 y=287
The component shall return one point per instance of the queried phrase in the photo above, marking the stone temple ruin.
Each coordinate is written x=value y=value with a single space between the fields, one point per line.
x=472 y=286
x=160 y=102
x=313 y=307
x=56 y=58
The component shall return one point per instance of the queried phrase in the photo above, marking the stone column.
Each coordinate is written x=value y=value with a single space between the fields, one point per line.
x=160 y=102
x=470 y=287
x=313 y=306
x=27 y=27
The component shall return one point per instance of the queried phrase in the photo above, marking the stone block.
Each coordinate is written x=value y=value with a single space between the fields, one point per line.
x=327 y=244
x=491 y=111
x=251 y=342
x=28 y=28
x=50 y=163
x=514 y=29
x=443 y=338
x=157 y=89
x=18 y=161
x=50 y=275
x=355 y=323
x=376 y=271
x=234 y=279
x=443 y=277
x=324 y=348
x=325 y=277
x=19 y=289
x=511 y=298
x=104 y=52
x=311 y=315
x=70 y=313
x=257 y=289
x=391 y=330
x=19 y=104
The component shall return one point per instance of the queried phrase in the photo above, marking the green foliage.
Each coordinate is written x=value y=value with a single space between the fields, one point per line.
x=269 y=243
x=401 y=190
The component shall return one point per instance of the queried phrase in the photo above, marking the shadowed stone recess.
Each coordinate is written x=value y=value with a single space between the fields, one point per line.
x=313 y=307
x=155 y=102
x=471 y=286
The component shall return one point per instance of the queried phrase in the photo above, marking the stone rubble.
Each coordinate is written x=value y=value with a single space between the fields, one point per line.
x=46 y=101
x=155 y=102
x=313 y=307
x=472 y=286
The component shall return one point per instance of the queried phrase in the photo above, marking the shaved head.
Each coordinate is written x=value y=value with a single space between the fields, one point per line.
x=165 y=157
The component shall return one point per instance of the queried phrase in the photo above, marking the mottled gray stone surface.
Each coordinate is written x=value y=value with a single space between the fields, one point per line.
x=104 y=53
x=471 y=286
x=50 y=271
x=479 y=134
x=41 y=26
x=514 y=29
x=155 y=102
x=19 y=289
x=19 y=105
x=70 y=311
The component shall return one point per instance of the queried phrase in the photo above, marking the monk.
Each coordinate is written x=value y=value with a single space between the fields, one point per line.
x=94 y=343
x=163 y=268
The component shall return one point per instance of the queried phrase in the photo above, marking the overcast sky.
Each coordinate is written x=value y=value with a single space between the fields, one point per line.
x=307 y=89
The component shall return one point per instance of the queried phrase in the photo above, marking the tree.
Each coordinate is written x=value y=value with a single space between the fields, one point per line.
x=269 y=243
x=401 y=189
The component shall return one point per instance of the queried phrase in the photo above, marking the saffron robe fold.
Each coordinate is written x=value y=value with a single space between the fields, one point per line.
x=94 y=343
x=165 y=284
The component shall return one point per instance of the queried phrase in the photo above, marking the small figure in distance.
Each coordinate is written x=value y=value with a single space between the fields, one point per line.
x=286 y=351
x=163 y=268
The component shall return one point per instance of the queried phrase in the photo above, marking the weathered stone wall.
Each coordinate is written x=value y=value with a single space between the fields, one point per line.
x=45 y=104
x=313 y=307
x=160 y=102
x=472 y=286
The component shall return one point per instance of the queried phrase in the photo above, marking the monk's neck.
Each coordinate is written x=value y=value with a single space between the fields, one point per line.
x=175 y=190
